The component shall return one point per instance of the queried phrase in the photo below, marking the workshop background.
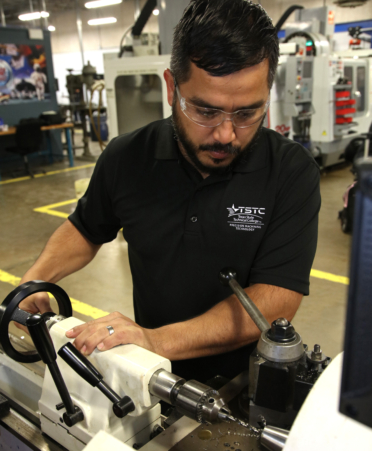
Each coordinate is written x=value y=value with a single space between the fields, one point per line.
x=33 y=207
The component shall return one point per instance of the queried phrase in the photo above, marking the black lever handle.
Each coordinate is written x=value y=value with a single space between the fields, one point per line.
x=80 y=364
x=42 y=340
x=84 y=368
x=44 y=345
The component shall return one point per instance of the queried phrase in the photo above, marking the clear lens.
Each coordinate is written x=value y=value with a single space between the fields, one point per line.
x=210 y=117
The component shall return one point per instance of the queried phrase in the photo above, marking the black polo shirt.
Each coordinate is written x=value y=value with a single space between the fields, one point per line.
x=182 y=229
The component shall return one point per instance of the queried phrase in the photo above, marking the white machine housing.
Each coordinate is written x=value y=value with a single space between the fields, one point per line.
x=136 y=91
x=291 y=89
x=126 y=369
x=319 y=84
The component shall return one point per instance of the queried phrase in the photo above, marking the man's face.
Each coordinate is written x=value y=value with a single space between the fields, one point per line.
x=218 y=149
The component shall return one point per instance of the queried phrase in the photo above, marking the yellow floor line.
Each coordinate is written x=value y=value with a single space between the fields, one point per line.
x=77 y=306
x=94 y=312
x=60 y=171
x=48 y=209
x=329 y=276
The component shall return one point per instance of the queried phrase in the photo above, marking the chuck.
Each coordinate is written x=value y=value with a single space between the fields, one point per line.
x=193 y=399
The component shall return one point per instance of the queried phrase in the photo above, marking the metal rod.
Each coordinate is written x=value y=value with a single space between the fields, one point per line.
x=109 y=392
x=137 y=9
x=80 y=31
x=3 y=23
x=249 y=306
x=366 y=148
x=43 y=7
x=32 y=10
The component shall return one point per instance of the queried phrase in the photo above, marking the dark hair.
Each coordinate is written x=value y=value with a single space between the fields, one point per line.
x=223 y=37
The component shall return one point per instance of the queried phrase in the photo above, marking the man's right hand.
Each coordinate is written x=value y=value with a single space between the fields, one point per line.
x=36 y=303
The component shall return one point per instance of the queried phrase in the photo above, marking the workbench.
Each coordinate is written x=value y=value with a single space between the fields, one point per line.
x=67 y=126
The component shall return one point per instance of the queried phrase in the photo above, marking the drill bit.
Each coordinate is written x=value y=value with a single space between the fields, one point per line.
x=227 y=417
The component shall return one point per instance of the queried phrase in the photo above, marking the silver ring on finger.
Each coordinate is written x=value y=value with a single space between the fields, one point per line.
x=110 y=329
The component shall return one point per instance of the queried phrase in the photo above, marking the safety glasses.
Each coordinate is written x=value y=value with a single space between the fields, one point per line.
x=212 y=117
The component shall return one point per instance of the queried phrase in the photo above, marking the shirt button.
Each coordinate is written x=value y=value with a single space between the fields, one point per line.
x=193 y=218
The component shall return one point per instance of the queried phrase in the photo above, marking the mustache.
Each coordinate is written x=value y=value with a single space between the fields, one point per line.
x=219 y=147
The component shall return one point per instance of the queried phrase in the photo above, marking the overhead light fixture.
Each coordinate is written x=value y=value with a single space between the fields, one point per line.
x=101 y=3
x=33 y=16
x=51 y=28
x=350 y=3
x=156 y=12
x=102 y=21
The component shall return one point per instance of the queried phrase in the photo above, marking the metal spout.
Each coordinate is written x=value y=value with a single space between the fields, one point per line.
x=273 y=438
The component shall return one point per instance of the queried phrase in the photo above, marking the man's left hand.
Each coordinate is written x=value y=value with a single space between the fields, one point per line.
x=95 y=334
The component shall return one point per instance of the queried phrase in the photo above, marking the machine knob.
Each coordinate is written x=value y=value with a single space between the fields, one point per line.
x=123 y=407
x=281 y=331
x=226 y=275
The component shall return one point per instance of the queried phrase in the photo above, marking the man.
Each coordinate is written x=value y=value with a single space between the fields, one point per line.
x=208 y=189
x=39 y=79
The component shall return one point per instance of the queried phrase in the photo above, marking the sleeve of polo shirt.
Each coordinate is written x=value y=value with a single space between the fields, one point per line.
x=287 y=251
x=94 y=216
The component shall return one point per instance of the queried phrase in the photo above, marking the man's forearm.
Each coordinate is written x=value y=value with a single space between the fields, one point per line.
x=226 y=326
x=66 y=252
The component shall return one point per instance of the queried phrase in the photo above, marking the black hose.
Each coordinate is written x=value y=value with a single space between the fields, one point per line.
x=140 y=23
x=146 y=12
x=285 y=16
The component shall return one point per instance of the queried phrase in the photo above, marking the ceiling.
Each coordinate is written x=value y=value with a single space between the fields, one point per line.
x=13 y=8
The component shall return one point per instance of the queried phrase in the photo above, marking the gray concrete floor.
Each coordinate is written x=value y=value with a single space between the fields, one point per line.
x=106 y=283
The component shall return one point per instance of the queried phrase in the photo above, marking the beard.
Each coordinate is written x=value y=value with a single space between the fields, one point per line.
x=192 y=150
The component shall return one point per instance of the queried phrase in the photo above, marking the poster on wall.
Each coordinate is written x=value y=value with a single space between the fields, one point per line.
x=23 y=73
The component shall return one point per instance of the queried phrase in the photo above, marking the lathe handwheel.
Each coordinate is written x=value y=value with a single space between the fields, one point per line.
x=9 y=311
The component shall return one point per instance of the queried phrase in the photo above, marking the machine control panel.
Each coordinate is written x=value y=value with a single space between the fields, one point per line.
x=299 y=79
x=299 y=86
x=304 y=84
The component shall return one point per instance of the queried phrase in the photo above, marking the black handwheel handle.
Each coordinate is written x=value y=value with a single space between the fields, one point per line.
x=9 y=311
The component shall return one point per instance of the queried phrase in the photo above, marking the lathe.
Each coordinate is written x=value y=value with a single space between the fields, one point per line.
x=111 y=399
x=292 y=397
x=116 y=393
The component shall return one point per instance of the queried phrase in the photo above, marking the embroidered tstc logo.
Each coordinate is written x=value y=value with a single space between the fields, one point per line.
x=247 y=219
